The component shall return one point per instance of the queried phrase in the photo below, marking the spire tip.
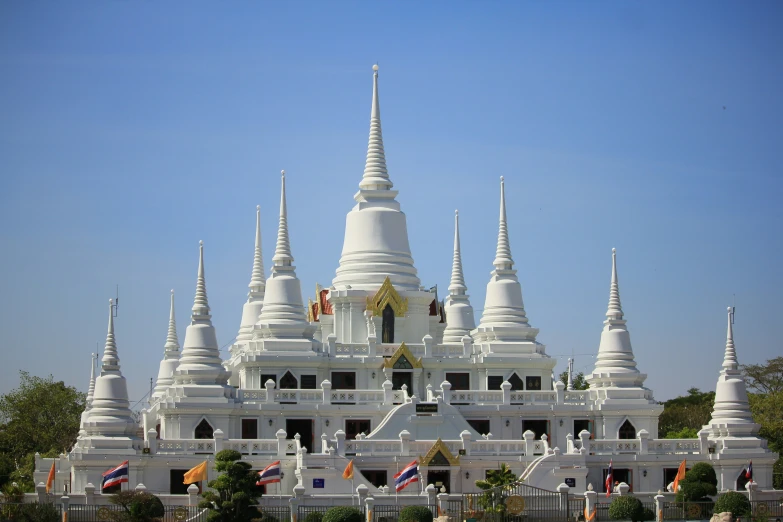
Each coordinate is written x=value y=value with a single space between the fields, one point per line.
x=172 y=291
x=501 y=179
x=282 y=173
x=728 y=309
x=201 y=242
x=614 y=251
x=456 y=212
x=258 y=207
x=375 y=67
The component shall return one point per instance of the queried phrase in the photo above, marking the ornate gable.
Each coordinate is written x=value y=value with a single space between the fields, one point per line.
x=387 y=295
x=402 y=352
x=439 y=455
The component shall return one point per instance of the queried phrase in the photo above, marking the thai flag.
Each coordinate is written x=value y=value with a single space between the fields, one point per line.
x=408 y=475
x=115 y=476
x=269 y=474
x=609 y=480
x=749 y=472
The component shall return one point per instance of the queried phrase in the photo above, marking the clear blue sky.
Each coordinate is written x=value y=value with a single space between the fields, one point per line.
x=131 y=130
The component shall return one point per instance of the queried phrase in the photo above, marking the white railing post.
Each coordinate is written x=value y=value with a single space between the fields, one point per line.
x=405 y=443
x=704 y=442
x=563 y=489
x=429 y=393
x=281 y=443
x=270 y=391
x=89 y=494
x=465 y=436
x=559 y=387
x=340 y=438
x=331 y=342
x=219 y=438
x=623 y=488
x=644 y=441
x=369 y=502
x=590 y=504
x=192 y=495
x=529 y=437
x=152 y=441
x=326 y=387
x=584 y=436
x=506 y=387
x=569 y=443
x=361 y=492
x=445 y=390
x=388 y=394
x=467 y=346
x=659 y=499
x=432 y=494
x=427 y=340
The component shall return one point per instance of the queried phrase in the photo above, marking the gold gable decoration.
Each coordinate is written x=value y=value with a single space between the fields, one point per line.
x=400 y=352
x=441 y=447
x=387 y=295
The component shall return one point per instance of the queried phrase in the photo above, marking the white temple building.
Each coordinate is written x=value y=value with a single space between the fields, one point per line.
x=376 y=369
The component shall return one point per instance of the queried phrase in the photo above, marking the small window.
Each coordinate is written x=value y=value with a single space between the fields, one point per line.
x=308 y=382
x=618 y=475
x=582 y=424
x=627 y=431
x=353 y=427
x=249 y=428
x=176 y=487
x=343 y=380
x=377 y=477
x=480 y=425
x=402 y=363
x=539 y=427
x=267 y=377
x=203 y=430
x=387 y=325
x=494 y=382
x=516 y=383
x=400 y=378
x=533 y=383
x=288 y=382
x=459 y=381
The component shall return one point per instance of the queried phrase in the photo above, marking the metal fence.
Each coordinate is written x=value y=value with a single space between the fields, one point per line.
x=390 y=513
x=688 y=510
x=513 y=503
x=107 y=513
x=769 y=509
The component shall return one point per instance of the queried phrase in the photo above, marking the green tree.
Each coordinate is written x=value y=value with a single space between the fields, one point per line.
x=766 y=405
x=41 y=415
x=137 y=506
x=235 y=493
x=685 y=433
x=626 y=508
x=699 y=483
x=343 y=514
x=579 y=381
x=496 y=487
x=691 y=411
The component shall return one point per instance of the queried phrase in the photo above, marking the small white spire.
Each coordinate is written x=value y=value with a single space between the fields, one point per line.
x=570 y=385
x=283 y=255
x=172 y=342
x=200 y=303
x=257 y=279
x=110 y=360
x=503 y=260
x=91 y=389
x=615 y=310
x=730 y=355
x=457 y=286
x=376 y=176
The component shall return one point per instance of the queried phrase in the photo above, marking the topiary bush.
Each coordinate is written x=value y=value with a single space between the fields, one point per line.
x=137 y=506
x=737 y=503
x=39 y=513
x=343 y=514
x=314 y=516
x=415 y=514
x=626 y=508
x=700 y=482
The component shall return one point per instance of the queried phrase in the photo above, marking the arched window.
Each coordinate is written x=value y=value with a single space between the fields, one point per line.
x=516 y=383
x=627 y=431
x=387 y=328
x=288 y=382
x=204 y=430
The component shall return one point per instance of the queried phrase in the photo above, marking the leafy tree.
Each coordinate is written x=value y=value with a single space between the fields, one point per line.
x=42 y=416
x=496 y=487
x=700 y=482
x=137 y=506
x=234 y=498
x=764 y=378
x=767 y=407
x=579 y=381
x=626 y=508
x=688 y=411
x=415 y=514
x=685 y=433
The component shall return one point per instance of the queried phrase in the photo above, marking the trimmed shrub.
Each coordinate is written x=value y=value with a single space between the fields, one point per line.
x=343 y=514
x=626 y=508
x=314 y=516
x=39 y=513
x=737 y=503
x=699 y=484
x=415 y=514
x=137 y=506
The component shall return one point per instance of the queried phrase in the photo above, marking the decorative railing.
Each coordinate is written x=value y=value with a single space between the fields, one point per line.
x=614 y=446
x=477 y=397
x=251 y=395
x=576 y=397
x=357 y=396
x=352 y=350
x=252 y=447
x=534 y=397
x=300 y=396
x=668 y=446
x=186 y=446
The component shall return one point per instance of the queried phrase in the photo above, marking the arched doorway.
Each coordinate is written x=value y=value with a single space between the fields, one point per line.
x=627 y=431
x=204 y=430
x=387 y=326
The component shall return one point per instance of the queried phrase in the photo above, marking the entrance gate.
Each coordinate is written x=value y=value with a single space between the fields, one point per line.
x=513 y=503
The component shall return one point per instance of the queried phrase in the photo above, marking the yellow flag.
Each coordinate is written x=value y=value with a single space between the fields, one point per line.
x=196 y=474
x=50 y=479
x=348 y=473
x=680 y=475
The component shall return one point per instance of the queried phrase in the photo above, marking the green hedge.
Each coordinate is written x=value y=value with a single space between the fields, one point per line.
x=415 y=514
x=626 y=508
x=737 y=503
x=343 y=514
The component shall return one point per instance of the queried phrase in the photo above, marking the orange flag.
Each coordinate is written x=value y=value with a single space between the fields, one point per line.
x=50 y=479
x=348 y=472
x=680 y=475
x=196 y=474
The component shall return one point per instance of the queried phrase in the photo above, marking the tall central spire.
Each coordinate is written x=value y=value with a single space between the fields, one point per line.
x=171 y=354
x=376 y=176
x=283 y=255
x=251 y=310
x=459 y=313
x=503 y=259
x=200 y=303
x=376 y=233
x=257 y=279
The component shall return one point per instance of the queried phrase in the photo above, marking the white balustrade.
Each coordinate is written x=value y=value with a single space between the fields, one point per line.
x=673 y=446
x=252 y=446
x=614 y=446
x=186 y=446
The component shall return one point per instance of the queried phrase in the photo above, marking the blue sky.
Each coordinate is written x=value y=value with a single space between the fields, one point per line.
x=131 y=130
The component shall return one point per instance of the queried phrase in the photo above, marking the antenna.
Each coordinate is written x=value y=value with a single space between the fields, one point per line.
x=733 y=308
x=116 y=306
